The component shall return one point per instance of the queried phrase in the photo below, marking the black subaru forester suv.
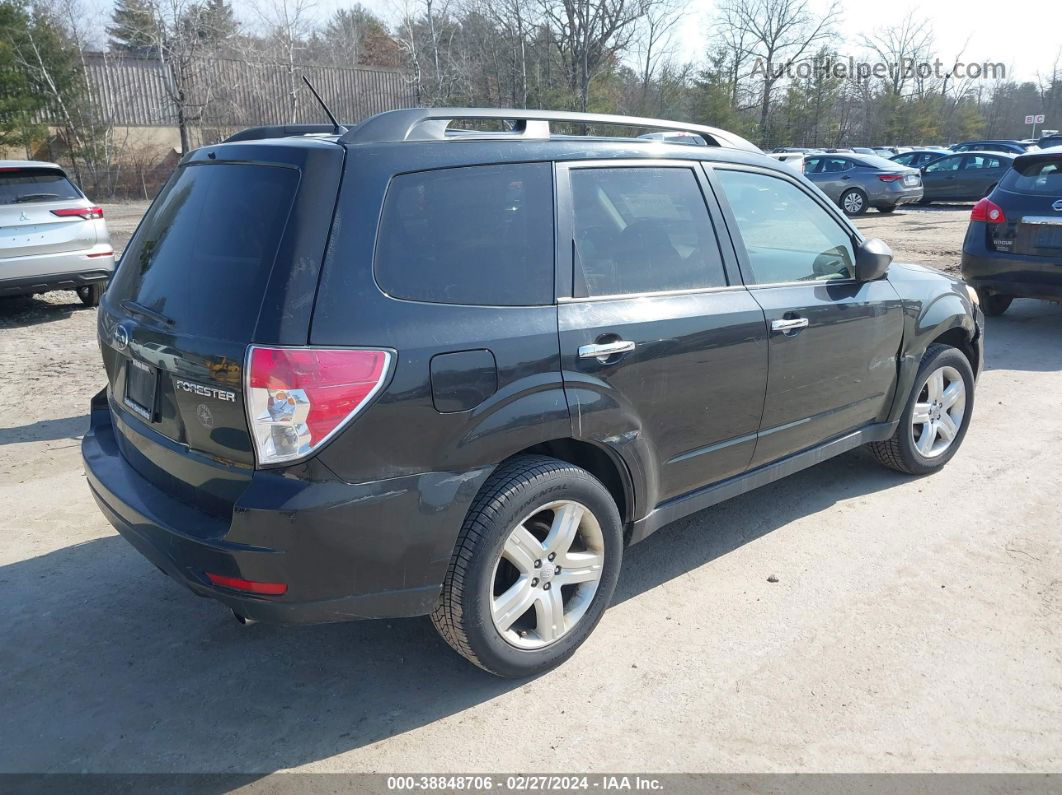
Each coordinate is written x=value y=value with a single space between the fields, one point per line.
x=410 y=368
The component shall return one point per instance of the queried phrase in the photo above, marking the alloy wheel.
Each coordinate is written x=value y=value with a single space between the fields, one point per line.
x=853 y=202
x=938 y=412
x=547 y=574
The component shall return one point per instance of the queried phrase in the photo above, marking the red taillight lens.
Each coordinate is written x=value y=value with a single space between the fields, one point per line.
x=298 y=397
x=265 y=588
x=890 y=177
x=87 y=213
x=989 y=212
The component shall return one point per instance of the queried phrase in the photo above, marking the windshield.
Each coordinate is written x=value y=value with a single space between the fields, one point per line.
x=22 y=185
x=202 y=257
x=873 y=161
x=1040 y=176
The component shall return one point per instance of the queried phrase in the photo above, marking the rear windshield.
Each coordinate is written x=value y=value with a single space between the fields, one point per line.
x=1040 y=176
x=22 y=185
x=873 y=161
x=203 y=253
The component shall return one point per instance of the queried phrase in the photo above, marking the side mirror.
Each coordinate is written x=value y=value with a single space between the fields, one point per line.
x=872 y=259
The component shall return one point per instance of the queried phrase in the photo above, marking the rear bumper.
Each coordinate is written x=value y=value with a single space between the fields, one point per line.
x=894 y=196
x=1018 y=275
x=45 y=272
x=344 y=551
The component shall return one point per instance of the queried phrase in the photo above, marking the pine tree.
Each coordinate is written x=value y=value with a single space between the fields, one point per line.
x=134 y=27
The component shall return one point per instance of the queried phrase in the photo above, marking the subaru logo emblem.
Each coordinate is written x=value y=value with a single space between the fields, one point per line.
x=121 y=337
x=1057 y=206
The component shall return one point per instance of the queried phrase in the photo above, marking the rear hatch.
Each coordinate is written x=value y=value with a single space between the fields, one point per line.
x=29 y=197
x=227 y=255
x=1030 y=195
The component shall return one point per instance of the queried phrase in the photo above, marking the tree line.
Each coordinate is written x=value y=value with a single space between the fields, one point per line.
x=773 y=70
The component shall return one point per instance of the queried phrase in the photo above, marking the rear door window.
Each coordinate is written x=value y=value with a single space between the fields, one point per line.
x=642 y=229
x=24 y=185
x=204 y=252
x=480 y=235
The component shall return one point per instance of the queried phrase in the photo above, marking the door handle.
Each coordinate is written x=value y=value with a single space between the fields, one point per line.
x=602 y=350
x=788 y=324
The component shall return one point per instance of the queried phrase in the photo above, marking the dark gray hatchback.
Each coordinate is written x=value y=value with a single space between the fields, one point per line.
x=405 y=369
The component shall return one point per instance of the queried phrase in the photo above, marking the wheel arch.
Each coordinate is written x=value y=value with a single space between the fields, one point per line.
x=600 y=462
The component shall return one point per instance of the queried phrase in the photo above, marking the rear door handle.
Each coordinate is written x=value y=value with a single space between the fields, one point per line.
x=789 y=324
x=602 y=350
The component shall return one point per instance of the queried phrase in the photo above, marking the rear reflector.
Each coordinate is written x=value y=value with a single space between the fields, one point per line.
x=890 y=177
x=298 y=398
x=989 y=212
x=87 y=213
x=102 y=254
x=266 y=588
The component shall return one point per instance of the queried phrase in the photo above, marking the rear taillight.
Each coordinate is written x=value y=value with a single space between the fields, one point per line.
x=989 y=212
x=248 y=586
x=87 y=213
x=890 y=177
x=298 y=398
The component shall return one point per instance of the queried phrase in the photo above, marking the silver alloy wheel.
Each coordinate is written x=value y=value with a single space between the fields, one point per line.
x=853 y=202
x=547 y=574
x=938 y=412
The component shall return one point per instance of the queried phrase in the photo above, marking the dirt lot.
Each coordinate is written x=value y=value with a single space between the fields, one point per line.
x=916 y=624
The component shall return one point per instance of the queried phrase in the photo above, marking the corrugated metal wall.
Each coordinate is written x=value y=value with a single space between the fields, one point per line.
x=131 y=92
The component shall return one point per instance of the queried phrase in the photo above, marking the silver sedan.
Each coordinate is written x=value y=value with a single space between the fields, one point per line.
x=51 y=236
x=856 y=182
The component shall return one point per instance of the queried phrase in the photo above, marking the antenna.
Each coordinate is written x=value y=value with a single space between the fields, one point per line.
x=340 y=129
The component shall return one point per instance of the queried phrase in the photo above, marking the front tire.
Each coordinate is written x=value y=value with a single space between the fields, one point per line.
x=853 y=202
x=534 y=567
x=934 y=421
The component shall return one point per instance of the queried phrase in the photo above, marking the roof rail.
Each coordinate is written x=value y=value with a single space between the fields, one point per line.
x=429 y=124
x=280 y=131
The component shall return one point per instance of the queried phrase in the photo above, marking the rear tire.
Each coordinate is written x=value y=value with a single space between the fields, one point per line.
x=934 y=421
x=993 y=304
x=533 y=569
x=853 y=202
x=887 y=209
x=90 y=294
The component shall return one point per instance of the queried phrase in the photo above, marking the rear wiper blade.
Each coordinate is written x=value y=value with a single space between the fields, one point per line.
x=139 y=309
x=35 y=197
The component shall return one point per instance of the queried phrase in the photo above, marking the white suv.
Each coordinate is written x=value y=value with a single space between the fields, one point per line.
x=51 y=236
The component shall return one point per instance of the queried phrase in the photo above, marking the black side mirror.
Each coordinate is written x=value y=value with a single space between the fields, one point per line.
x=872 y=259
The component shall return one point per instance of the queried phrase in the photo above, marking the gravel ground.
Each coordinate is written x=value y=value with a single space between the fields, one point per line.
x=915 y=624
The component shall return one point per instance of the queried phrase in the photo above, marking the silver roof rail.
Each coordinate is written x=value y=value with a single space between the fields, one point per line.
x=429 y=124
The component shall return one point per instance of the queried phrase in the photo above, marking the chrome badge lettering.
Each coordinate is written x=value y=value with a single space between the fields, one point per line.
x=205 y=391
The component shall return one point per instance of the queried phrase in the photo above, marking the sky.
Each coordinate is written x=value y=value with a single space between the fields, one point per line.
x=1025 y=41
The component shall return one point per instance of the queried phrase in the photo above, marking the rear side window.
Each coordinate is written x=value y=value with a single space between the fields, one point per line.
x=640 y=230
x=478 y=235
x=204 y=252
x=23 y=185
x=1041 y=176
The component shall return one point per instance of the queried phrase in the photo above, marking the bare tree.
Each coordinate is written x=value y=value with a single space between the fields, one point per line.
x=588 y=34
x=289 y=24
x=902 y=47
x=777 y=34
x=654 y=42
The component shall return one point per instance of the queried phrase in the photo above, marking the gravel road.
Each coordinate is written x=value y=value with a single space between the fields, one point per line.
x=915 y=625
